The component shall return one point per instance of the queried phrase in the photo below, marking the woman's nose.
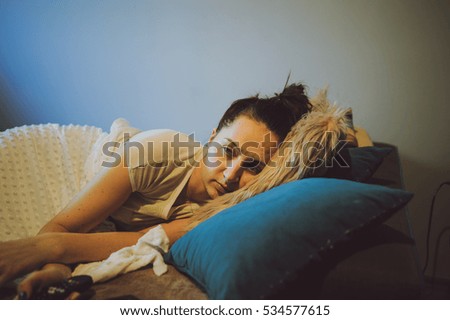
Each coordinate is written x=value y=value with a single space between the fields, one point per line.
x=233 y=170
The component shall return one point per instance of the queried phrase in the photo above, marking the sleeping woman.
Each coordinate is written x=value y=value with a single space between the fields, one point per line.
x=258 y=144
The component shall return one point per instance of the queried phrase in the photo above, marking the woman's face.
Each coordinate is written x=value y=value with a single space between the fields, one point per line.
x=236 y=154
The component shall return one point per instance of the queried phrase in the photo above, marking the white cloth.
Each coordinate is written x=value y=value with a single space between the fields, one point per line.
x=144 y=252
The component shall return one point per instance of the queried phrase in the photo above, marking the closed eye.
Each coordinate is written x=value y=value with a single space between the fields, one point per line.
x=254 y=167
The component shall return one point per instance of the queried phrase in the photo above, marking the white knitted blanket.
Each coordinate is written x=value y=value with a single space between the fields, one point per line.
x=43 y=166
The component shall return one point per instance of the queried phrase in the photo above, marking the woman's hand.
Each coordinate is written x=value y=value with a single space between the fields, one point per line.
x=19 y=257
x=38 y=280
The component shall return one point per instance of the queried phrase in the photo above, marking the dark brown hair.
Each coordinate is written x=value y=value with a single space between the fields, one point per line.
x=279 y=112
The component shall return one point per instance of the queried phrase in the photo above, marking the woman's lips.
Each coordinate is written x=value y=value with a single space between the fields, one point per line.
x=221 y=188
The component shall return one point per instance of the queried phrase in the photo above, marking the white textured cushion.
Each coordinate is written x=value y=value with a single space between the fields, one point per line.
x=42 y=167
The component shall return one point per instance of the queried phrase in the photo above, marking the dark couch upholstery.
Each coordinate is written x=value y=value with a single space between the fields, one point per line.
x=382 y=263
x=379 y=263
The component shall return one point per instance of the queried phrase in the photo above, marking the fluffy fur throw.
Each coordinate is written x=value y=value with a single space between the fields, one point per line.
x=310 y=143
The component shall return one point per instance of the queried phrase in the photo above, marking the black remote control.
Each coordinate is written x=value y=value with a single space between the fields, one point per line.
x=64 y=288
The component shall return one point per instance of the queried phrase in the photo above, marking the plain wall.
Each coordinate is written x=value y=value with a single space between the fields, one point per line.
x=179 y=64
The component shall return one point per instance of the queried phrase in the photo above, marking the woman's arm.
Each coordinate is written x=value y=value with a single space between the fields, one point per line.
x=71 y=247
x=102 y=196
x=53 y=251
x=94 y=203
x=80 y=247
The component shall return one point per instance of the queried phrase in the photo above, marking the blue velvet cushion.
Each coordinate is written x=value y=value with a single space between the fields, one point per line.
x=249 y=250
x=357 y=164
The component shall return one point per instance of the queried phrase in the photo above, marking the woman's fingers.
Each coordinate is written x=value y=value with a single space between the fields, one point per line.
x=40 y=279
x=19 y=257
x=13 y=257
x=30 y=284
